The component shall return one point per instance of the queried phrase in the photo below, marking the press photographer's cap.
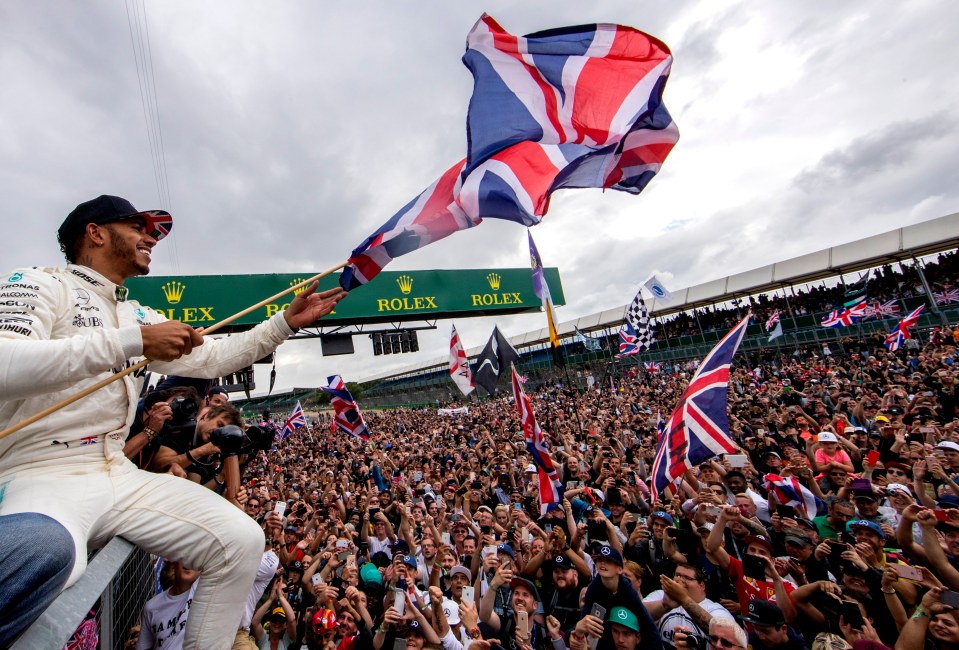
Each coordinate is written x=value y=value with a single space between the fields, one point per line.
x=108 y=209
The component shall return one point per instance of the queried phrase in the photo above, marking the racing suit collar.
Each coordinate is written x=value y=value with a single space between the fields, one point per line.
x=99 y=283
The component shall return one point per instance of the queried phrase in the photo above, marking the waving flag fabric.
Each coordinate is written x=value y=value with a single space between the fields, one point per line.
x=460 y=371
x=294 y=422
x=774 y=326
x=541 y=289
x=651 y=366
x=902 y=333
x=790 y=492
x=628 y=342
x=589 y=342
x=574 y=107
x=946 y=297
x=845 y=317
x=855 y=293
x=346 y=414
x=698 y=429
x=888 y=309
x=659 y=290
x=550 y=488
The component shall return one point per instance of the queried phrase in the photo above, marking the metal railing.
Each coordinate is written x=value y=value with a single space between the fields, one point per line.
x=118 y=581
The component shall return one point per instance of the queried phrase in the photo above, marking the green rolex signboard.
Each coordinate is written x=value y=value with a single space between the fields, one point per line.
x=392 y=296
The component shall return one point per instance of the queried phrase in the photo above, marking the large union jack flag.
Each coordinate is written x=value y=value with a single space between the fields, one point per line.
x=772 y=320
x=550 y=487
x=845 y=317
x=698 y=429
x=902 y=333
x=346 y=414
x=567 y=108
x=294 y=422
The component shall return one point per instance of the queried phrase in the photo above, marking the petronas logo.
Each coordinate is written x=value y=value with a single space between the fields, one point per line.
x=173 y=291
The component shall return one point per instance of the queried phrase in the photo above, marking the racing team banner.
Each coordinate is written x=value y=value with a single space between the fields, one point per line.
x=203 y=300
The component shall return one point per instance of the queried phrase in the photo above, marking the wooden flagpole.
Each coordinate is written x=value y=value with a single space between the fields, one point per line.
x=142 y=364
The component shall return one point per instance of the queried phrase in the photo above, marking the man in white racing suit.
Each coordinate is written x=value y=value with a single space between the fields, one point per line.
x=62 y=330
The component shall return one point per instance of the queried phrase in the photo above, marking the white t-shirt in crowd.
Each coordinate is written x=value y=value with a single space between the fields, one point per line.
x=268 y=565
x=679 y=617
x=163 y=620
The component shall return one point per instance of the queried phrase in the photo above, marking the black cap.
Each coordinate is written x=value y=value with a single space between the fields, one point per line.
x=763 y=612
x=523 y=582
x=295 y=566
x=107 y=209
x=562 y=562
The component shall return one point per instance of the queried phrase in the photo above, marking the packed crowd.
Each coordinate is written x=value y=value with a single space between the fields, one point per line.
x=433 y=535
x=887 y=283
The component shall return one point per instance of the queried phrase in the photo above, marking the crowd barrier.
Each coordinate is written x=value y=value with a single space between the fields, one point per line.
x=118 y=580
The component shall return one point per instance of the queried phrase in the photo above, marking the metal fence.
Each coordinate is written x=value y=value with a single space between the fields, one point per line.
x=118 y=581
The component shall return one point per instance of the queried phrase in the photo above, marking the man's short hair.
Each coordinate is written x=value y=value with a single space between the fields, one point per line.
x=226 y=411
x=700 y=575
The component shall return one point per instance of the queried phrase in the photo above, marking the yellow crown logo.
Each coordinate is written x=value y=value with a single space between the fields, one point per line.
x=296 y=281
x=173 y=291
x=405 y=282
x=494 y=280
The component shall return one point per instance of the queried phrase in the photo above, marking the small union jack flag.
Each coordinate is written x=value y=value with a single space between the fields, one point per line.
x=772 y=320
x=628 y=341
x=651 y=366
x=550 y=487
x=698 y=429
x=888 y=309
x=946 y=297
x=159 y=223
x=845 y=317
x=294 y=422
x=790 y=492
x=347 y=417
x=901 y=334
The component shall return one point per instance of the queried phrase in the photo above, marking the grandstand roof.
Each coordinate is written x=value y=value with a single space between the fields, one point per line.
x=917 y=240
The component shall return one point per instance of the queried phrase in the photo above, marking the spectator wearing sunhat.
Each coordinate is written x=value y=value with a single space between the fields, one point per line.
x=768 y=629
x=611 y=589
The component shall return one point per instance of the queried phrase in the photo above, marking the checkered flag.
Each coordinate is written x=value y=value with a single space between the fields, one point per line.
x=638 y=317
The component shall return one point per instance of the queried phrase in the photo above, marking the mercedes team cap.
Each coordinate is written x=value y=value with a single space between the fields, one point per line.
x=665 y=516
x=764 y=614
x=865 y=523
x=609 y=554
x=624 y=617
x=108 y=209
x=948 y=444
x=827 y=436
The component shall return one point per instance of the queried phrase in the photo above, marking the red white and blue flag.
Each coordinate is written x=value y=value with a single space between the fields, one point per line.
x=651 y=366
x=294 y=422
x=788 y=491
x=159 y=223
x=550 y=487
x=460 y=371
x=888 y=309
x=946 y=297
x=346 y=414
x=902 y=333
x=628 y=341
x=574 y=107
x=845 y=317
x=772 y=320
x=698 y=429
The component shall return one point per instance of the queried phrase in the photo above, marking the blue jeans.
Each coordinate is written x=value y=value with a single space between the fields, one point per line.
x=36 y=557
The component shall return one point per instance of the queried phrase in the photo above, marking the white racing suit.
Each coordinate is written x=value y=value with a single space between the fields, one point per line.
x=62 y=330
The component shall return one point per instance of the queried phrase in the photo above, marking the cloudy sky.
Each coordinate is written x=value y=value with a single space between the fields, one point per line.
x=292 y=130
